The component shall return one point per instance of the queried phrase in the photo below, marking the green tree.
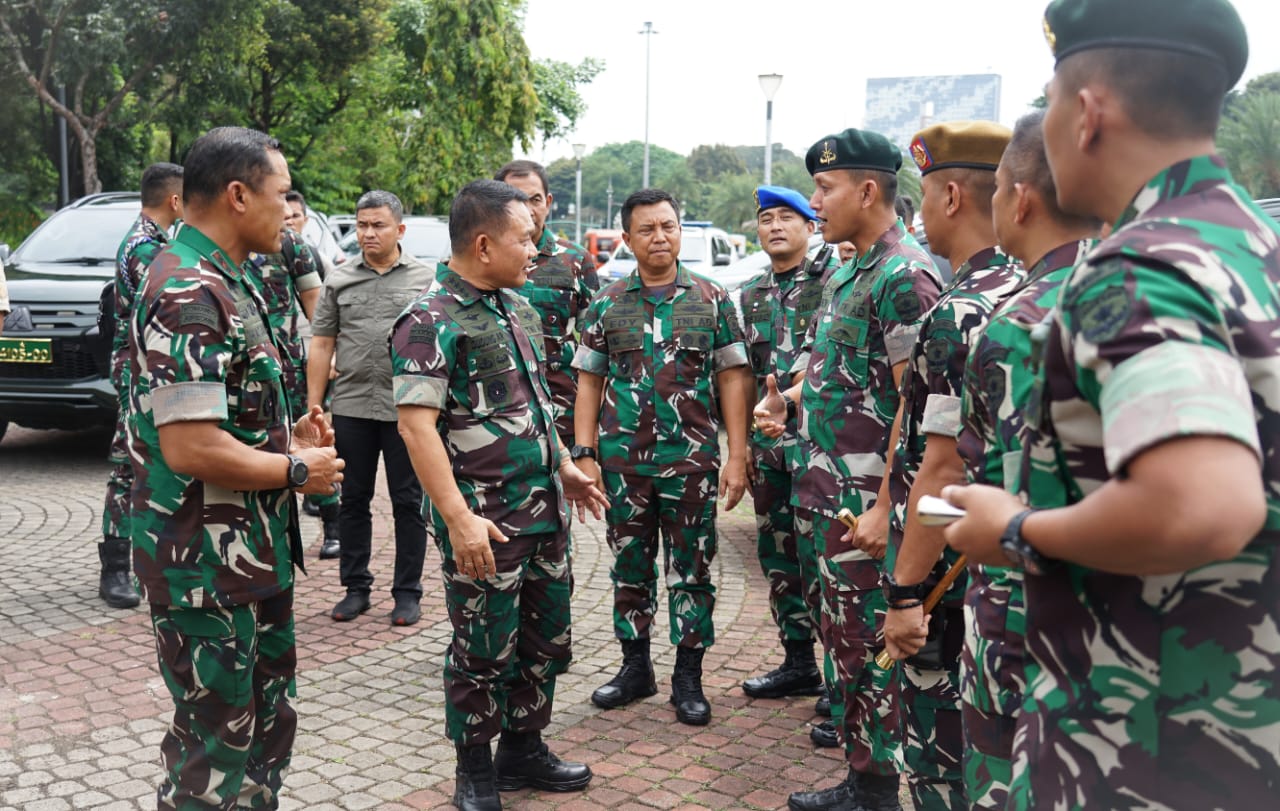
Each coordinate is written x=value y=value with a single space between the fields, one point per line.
x=560 y=105
x=1250 y=140
x=710 y=162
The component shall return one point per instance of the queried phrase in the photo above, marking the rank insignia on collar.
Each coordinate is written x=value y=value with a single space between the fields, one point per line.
x=827 y=155
x=756 y=196
x=1050 y=37
x=920 y=154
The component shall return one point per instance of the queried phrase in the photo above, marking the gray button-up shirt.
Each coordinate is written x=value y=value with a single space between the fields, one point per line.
x=359 y=306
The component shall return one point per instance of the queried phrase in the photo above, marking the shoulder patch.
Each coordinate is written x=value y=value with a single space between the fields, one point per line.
x=907 y=304
x=1102 y=317
x=422 y=334
x=205 y=315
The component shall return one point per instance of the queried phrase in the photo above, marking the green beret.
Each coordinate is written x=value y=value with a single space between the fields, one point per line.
x=1208 y=28
x=853 y=149
x=960 y=145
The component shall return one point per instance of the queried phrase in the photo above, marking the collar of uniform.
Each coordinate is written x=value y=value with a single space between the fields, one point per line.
x=153 y=228
x=1067 y=254
x=770 y=279
x=194 y=238
x=401 y=261
x=683 y=278
x=985 y=258
x=1179 y=179
x=892 y=236
x=547 y=242
x=464 y=291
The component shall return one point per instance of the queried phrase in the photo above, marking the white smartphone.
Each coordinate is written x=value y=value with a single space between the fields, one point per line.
x=935 y=512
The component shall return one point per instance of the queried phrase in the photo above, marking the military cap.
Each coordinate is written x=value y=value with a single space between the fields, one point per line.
x=960 y=145
x=1208 y=28
x=853 y=149
x=773 y=196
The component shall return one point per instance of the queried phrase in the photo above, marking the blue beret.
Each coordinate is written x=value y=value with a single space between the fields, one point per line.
x=774 y=196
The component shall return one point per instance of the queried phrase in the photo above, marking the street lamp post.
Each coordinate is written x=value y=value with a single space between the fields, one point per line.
x=648 y=37
x=578 y=151
x=608 y=209
x=769 y=83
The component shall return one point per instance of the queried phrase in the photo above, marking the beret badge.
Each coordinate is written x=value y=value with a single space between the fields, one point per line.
x=827 y=155
x=1050 y=37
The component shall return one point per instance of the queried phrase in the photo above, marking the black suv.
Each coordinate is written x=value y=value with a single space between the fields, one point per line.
x=54 y=360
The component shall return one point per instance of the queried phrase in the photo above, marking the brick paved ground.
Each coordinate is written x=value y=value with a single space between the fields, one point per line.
x=83 y=709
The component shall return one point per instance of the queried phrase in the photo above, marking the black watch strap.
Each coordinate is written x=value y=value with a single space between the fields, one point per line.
x=582 y=452
x=297 y=473
x=894 y=592
x=1018 y=551
x=791 y=407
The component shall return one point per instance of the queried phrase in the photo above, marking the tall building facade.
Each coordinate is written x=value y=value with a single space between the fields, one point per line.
x=900 y=106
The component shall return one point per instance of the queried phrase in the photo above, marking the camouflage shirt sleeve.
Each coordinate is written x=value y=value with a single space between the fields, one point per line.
x=422 y=356
x=944 y=354
x=187 y=346
x=304 y=267
x=909 y=293
x=1150 y=358
x=730 y=350
x=593 y=350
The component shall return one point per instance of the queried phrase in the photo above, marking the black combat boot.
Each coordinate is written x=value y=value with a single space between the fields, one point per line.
x=823 y=705
x=634 y=680
x=825 y=735
x=524 y=761
x=879 y=792
x=686 y=688
x=842 y=797
x=114 y=586
x=475 y=786
x=798 y=675
x=330 y=545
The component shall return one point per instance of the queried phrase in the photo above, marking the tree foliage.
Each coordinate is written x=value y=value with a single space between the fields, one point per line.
x=1250 y=140
x=560 y=105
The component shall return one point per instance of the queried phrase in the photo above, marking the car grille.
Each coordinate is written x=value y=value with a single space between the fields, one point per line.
x=67 y=365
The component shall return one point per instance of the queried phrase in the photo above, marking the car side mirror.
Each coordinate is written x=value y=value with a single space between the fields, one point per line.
x=720 y=258
x=4 y=252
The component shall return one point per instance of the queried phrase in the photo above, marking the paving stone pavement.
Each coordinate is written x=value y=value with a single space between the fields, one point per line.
x=83 y=708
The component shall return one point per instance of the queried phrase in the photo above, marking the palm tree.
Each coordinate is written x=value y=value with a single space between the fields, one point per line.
x=1249 y=138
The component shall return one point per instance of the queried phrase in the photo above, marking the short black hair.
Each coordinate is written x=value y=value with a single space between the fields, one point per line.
x=378 y=198
x=646 y=197
x=1026 y=162
x=886 y=181
x=159 y=180
x=1167 y=94
x=224 y=155
x=979 y=186
x=905 y=208
x=523 y=168
x=481 y=207
x=292 y=196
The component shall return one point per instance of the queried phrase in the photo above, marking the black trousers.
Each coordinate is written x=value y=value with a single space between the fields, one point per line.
x=359 y=443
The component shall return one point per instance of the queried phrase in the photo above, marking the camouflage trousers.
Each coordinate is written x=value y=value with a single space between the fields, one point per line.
x=794 y=601
x=932 y=736
x=992 y=682
x=852 y=622
x=683 y=510
x=116 y=510
x=231 y=673
x=511 y=638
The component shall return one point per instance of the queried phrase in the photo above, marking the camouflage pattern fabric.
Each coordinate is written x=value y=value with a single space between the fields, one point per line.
x=997 y=383
x=281 y=278
x=776 y=310
x=477 y=358
x=511 y=638
x=659 y=356
x=200 y=349
x=682 y=509
x=933 y=743
x=560 y=287
x=807 y=556
x=145 y=239
x=1158 y=691
x=231 y=674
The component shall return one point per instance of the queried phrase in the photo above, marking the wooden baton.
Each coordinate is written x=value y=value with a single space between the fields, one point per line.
x=883 y=659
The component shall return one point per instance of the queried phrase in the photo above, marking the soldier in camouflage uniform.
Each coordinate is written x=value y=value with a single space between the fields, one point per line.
x=560 y=287
x=997 y=381
x=859 y=342
x=161 y=208
x=478 y=420
x=660 y=351
x=213 y=459
x=775 y=310
x=957 y=161
x=1151 y=464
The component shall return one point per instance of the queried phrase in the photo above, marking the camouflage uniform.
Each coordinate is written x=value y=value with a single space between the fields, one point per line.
x=216 y=565
x=931 y=385
x=145 y=239
x=560 y=287
x=476 y=357
x=281 y=278
x=1157 y=691
x=776 y=310
x=997 y=381
x=870 y=314
x=659 y=450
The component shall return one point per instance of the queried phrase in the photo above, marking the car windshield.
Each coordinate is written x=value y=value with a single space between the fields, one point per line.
x=427 y=240
x=83 y=235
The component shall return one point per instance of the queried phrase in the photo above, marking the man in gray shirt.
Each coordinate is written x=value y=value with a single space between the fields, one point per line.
x=358 y=305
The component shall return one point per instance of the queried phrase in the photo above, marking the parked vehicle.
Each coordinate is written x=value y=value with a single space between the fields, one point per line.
x=600 y=242
x=744 y=270
x=54 y=360
x=701 y=246
x=426 y=238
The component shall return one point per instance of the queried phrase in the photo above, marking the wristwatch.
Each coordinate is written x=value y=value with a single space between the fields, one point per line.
x=897 y=593
x=298 y=472
x=582 y=452
x=1019 y=552
x=791 y=407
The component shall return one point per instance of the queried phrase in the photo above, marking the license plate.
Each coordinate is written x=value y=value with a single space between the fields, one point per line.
x=26 y=350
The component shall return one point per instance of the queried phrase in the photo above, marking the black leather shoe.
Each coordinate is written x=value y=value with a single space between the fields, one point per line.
x=798 y=675
x=114 y=585
x=524 y=761
x=879 y=792
x=330 y=548
x=406 y=611
x=331 y=545
x=686 y=688
x=634 y=680
x=823 y=705
x=475 y=788
x=842 y=797
x=825 y=735
x=309 y=507
x=351 y=606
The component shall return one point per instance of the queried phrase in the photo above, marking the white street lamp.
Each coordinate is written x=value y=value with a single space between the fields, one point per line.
x=578 y=151
x=769 y=83
x=648 y=37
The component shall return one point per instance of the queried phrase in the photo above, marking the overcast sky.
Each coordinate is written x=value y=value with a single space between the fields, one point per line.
x=708 y=54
